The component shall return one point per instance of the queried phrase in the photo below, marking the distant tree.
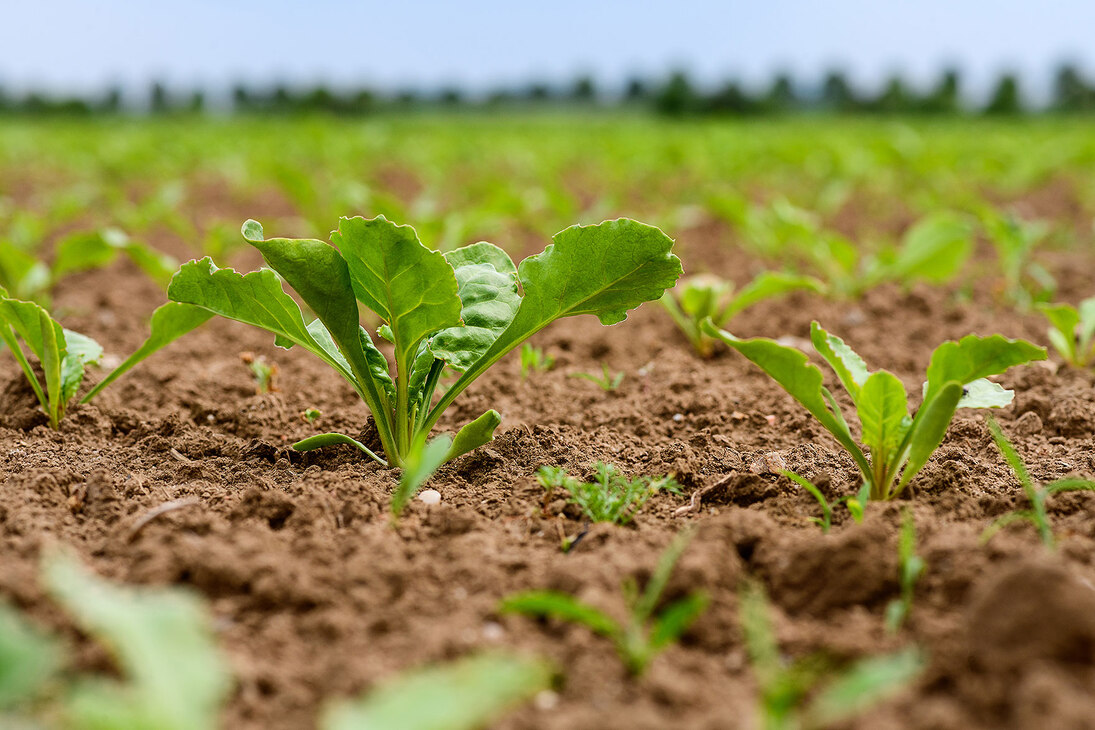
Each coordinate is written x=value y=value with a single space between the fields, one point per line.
x=196 y=104
x=362 y=101
x=895 y=98
x=781 y=97
x=584 y=90
x=1071 y=92
x=837 y=95
x=158 y=101
x=730 y=99
x=636 y=90
x=1005 y=97
x=943 y=99
x=243 y=100
x=537 y=91
x=677 y=97
x=111 y=103
x=450 y=96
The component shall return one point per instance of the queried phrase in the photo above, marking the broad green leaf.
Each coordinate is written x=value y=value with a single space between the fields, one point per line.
x=46 y=340
x=27 y=659
x=603 y=270
x=475 y=434
x=24 y=275
x=87 y=250
x=157 y=265
x=883 y=410
x=256 y=298
x=928 y=429
x=80 y=351
x=552 y=604
x=766 y=286
x=675 y=619
x=848 y=366
x=934 y=249
x=983 y=393
x=174 y=676
x=487 y=287
x=412 y=288
x=169 y=322
x=701 y=296
x=867 y=683
x=803 y=381
x=466 y=694
x=419 y=466
x=975 y=357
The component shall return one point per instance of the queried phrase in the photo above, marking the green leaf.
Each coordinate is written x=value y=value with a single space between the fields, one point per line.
x=256 y=298
x=87 y=250
x=169 y=322
x=766 y=286
x=975 y=357
x=983 y=393
x=28 y=659
x=412 y=288
x=419 y=466
x=157 y=265
x=24 y=275
x=251 y=230
x=928 y=429
x=867 y=683
x=883 y=413
x=175 y=678
x=466 y=694
x=333 y=439
x=487 y=287
x=80 y=351
x=934 y=249
x=1011 y=456
x=803 y=381
x=552 y=604
x=701 y=296
x=603 y=270
x=46 y=340
x=675 y=620
x=475 y=434
x=848 y=366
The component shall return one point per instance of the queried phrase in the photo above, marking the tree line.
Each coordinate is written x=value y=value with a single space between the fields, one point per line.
x=677 y=95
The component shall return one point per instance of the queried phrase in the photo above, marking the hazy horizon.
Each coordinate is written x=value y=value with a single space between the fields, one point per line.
x=66 y=46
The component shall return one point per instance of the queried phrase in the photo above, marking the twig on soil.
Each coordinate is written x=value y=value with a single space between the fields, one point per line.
x=158 y=511
x=184 y=459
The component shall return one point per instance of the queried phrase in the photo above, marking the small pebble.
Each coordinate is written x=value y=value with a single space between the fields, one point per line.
x=546 y=700
x=430 y=496
x=493 y=631
x=770 y=463
x=678 y=417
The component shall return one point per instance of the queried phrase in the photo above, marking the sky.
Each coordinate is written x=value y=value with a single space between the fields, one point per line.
x=80 y=46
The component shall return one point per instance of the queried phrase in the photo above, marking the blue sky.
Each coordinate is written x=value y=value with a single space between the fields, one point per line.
x=79 y=45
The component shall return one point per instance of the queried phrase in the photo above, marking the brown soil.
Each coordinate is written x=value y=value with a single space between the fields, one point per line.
x=317 y=597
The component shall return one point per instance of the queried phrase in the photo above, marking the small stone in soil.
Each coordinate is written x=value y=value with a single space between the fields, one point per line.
x=430 y=496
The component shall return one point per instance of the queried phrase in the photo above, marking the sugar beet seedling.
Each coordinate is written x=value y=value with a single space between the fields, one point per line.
x=898 y=443
x=1072 y=331
x=463 y=310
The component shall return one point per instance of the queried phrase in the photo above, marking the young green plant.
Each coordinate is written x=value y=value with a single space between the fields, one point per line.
x=1024 y=280
x=462 y=310
x=786 y=689
x=610 y=497
x=646 y=632
x=910 y=567
x=825 y=522
x=1036 y=495
x=606 y=381
x=898 y=444
x=466 y=694
x=1072 y=331
x=707 y=296
x=534 y=359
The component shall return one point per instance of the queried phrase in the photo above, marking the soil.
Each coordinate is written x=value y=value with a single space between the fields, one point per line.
x=317 y=597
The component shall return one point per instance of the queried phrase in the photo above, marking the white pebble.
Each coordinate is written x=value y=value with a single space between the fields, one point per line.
x=430 y=496
x=678 y=417
x=546 y=700
x=493 y=631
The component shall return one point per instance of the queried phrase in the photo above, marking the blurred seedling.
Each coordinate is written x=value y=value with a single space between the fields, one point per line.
x=311 y=415
x=707 y=296
x=808 y=694
x=825 y=522
x=1036 y=495
x=898 y=443
x=606 y=381
x=611 y=496
x=646 y=632
x=910 y=567
x=1024 y=280
x=1072 y=331
x=262 y=371
x=534 y=359
x=466 y=694
x=171 y=675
